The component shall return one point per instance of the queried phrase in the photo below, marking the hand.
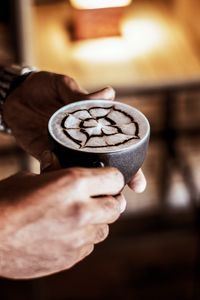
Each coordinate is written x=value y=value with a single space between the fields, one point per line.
x=49 y=222
x=28 y=108
x=49 y=163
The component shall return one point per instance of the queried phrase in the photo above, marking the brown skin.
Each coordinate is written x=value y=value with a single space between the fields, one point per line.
x=49 y=222
x=29 y=107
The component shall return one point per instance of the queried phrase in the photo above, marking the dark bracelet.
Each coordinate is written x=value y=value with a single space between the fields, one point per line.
x=16 y=82
x=10 y=78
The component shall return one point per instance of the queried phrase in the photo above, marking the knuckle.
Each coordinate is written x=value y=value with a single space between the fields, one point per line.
x=110 y=204
x=111 y=208
x=102 y=233
x=71 y=82
x=86 y=251
x=69 y=79
x=41 y=73
x=114 y=218
x=75 y=173
x=78 y=213
x=117 y=178
x=74 y=178
x=78 y=177
x=83 y=252
x=118 y=175
x=89 y=250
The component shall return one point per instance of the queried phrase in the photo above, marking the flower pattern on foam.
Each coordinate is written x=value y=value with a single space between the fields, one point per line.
x=99 y=127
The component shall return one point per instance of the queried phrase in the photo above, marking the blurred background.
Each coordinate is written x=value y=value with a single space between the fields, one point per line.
x=149 y=51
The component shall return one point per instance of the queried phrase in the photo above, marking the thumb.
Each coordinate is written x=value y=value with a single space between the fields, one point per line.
x=107 y=93
x=49 y=162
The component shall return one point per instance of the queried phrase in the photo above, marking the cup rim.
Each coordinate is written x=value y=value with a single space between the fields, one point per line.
x=96 y=152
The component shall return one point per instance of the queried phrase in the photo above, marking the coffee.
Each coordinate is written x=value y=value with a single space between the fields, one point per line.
x=98 y=126
x=94 y=133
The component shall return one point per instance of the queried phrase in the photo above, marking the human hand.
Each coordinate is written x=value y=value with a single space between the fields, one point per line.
x=49 y=162
x=28 y=108
x=49 y=222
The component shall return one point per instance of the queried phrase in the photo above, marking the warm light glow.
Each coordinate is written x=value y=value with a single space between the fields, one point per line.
x=99 y=51
x=143 y=35
x=139 y=36
x=178 y=195
x=93 y=4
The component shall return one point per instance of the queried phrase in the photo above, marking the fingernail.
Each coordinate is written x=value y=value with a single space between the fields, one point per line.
x=122 y=202
x=139 y=187
x=110 y=92
x=107 y=93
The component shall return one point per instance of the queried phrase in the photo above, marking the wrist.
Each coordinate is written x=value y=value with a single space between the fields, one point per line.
x=10 y=78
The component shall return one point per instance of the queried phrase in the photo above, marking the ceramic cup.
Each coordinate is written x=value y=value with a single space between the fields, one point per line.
x=98 y=133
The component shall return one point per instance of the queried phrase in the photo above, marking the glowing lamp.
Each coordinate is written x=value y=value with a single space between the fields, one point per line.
x=97 y=18
x=94 y=4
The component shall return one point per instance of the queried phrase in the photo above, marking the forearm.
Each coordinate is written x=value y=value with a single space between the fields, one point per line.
x=14 y=195
x=4 y=228
x=7 y=251
x=12 y=216
x=7 y=201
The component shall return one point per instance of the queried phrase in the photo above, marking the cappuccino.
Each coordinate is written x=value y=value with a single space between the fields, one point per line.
x=98 y=126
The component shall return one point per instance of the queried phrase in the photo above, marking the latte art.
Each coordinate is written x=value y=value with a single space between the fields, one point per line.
x=97 y=126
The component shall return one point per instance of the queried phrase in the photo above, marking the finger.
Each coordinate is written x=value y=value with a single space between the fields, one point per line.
x=105 y=209
x=138 y=182
x=73 y=85
x=49 y=162
x=68 y=89
x=107 y=93
x=91 y=234
x=85 y=251
x=101 y=234
x=100 y=181
x=78 y=255
x=122 y=200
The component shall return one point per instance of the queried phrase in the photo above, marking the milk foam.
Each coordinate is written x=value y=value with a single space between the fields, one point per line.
x=98 y=126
